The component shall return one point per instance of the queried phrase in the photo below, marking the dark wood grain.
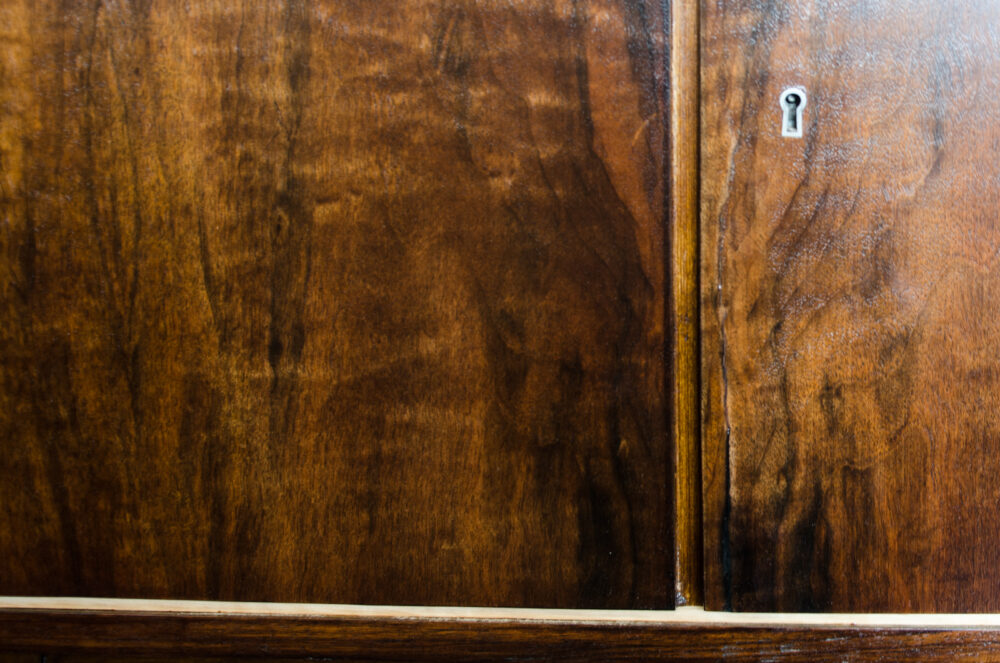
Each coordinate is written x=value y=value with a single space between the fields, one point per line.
x=116 y=657
x=181 y=636
x=338 y=301
x=20 y=658
x=850 y=285
x=119 y=658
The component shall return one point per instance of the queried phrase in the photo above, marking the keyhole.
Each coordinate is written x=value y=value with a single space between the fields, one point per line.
x=793 y=100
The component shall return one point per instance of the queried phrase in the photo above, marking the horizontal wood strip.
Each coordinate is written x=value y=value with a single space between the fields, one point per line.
x=480 y=639
x=681 y=616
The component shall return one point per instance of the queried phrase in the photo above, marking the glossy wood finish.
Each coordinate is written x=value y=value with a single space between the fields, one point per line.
x=850 y=283
x=182 y=636
x=684 y=297
x=340 y=301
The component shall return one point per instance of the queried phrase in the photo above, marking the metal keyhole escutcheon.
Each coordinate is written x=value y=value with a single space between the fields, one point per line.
x=793 y=101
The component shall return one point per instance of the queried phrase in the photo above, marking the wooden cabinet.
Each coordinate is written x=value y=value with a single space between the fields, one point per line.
x=482 y=303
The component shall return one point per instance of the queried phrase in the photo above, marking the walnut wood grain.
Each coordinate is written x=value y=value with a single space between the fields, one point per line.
x=339 y=301
x=850 y=283
x=121 y=637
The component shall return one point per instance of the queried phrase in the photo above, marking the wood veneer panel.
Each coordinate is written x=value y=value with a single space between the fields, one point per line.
x=850 y=283
x=349 y=301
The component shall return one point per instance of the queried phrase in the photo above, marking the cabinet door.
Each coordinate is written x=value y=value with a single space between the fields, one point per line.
x=334 y=300
x=851 y=289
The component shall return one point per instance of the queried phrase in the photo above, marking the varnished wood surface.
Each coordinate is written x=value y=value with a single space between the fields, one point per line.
x=125 y=636
x=341 y=301
x=850 y=287
x=683 y=300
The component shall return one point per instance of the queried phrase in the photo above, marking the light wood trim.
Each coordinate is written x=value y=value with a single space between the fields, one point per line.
x=680 y=616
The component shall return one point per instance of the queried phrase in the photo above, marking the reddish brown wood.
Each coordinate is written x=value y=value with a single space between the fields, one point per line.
x=480 y=640
x=850 y=283
x=334 y=300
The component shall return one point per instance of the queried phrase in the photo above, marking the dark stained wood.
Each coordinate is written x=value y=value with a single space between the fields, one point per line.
x=684 y=322
x=20 y=658
x=180 y=636
x=115 y=657
x=850 y=286
x=339 y=301
x=118 y=658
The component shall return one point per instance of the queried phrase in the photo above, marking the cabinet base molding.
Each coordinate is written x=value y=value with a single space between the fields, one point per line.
x=393 y=633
